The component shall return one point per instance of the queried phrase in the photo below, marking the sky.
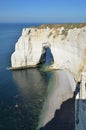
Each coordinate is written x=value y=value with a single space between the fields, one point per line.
x=42 y=11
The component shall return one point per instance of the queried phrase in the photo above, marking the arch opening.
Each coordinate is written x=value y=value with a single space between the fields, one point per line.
x=46 y=56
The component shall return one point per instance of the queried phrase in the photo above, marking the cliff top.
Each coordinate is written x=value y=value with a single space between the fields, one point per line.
x=66 y=26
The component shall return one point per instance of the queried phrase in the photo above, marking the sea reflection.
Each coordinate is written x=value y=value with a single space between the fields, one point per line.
x=30 y=82
x=60 y=88
x=41 y=94
x=32 y=85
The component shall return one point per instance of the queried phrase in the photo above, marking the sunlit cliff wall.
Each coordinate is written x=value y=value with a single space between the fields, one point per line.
x=67 y=43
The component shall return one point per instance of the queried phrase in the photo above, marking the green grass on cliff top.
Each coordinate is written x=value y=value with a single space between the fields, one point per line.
x=56 y=26
x=66 y=26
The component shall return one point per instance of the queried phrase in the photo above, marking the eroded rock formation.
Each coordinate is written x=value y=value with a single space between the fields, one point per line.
x=67 y=43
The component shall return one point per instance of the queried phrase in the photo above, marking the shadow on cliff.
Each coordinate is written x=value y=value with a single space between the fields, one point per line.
x=64 y=118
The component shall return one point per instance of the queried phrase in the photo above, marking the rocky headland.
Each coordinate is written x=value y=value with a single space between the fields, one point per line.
x=66 y=41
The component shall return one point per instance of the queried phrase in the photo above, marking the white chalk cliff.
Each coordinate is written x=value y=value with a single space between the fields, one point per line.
x=68 y=46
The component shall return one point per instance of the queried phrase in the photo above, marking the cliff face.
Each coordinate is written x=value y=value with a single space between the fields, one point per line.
x=68 y=46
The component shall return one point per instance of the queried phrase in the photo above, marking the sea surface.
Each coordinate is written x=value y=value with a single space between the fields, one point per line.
x=27 y=96
x=21 y=92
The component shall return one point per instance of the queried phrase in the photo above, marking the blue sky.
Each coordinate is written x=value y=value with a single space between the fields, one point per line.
x=48 y=11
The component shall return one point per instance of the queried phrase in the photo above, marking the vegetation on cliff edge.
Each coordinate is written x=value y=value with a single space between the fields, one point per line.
x=66 y=26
